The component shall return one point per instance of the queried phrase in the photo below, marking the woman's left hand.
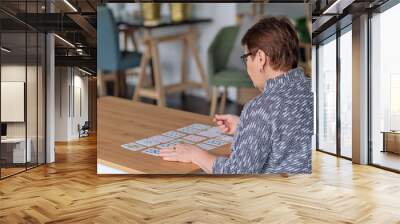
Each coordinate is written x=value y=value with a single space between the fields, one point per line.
x=179 y=153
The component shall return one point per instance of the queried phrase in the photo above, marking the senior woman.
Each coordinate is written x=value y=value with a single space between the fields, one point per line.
x=273 y=133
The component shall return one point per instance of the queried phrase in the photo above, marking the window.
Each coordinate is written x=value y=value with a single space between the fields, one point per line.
x=314 y=88
x=22 y=78
x=346 y=92
x=334 y=106
x=385 y=89
x=327 y=96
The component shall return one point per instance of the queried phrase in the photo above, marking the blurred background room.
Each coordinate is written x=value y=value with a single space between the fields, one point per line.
x=185 y=55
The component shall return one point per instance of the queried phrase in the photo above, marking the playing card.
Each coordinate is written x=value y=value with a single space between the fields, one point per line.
x=194 y=138
x=206 y=146
x=215 y=142
x=181 y=141
x=154 y=140
x=149 y=141
x=189 y=130
x=208 y=134
x=173 y=134
x=167 y=145
x=215 y=130
x=225 y=138
x=162 y=138
x=152 y=151
x=200 y=126
x=133 y=146
x=211 y=132
x=173 y=143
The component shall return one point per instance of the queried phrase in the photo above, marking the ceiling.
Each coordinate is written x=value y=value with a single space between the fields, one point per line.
x=74 y=22
x=330 y=15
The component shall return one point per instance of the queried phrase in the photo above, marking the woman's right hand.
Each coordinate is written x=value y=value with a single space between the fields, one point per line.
x=227 y=123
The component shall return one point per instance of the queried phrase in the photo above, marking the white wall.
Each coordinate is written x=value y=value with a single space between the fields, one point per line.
x=15 y=72
x=81 y=103
x=61 y=103
x=67 y=114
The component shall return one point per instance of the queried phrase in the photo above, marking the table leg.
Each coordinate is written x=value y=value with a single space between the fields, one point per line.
x=184 y=61
x=160 y=92
x=195 y=52
x=214 y=100
x=384 y=142
x=126 y=35
x=115 y=83
x=121 y=83
x=223 y=100
x=143 y=64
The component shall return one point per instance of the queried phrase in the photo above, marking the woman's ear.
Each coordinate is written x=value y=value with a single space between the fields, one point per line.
x=266 y=61
x=262 y=60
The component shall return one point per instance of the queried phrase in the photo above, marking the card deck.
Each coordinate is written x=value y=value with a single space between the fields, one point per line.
x=191 y=134
x=194 y=138
x=151 y=151
x=133 y=146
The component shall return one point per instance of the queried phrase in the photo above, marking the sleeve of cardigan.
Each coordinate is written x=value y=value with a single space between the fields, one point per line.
x=250 y=151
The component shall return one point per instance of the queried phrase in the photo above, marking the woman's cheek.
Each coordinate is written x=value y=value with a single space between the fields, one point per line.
x=250 y=71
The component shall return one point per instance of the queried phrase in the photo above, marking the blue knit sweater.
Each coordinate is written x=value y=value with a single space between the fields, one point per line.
x=275 y=130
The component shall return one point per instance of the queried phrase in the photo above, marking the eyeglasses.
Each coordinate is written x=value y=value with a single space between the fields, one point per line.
x=244 y=58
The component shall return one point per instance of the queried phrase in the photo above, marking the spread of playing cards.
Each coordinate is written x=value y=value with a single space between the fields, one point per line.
x=204 y=136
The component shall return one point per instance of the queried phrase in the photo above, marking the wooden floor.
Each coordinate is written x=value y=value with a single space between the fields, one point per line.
x=386 y=159
x=10 y=171
x=69 y=191
x=5 y=172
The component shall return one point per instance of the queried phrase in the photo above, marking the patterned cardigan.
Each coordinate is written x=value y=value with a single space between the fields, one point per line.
x=275 y=130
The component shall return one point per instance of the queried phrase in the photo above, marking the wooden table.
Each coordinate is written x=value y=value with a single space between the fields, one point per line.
x=151 y=53
x=122 y=121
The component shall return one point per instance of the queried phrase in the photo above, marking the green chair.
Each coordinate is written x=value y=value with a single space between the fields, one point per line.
x=219 y=75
